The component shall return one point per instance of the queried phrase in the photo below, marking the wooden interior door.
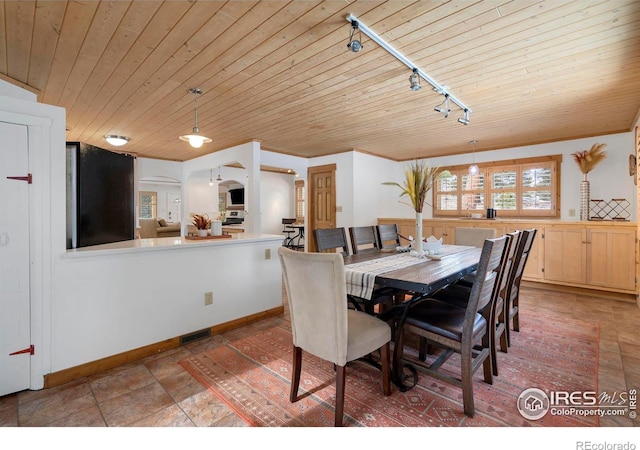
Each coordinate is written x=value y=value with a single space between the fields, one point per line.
x=322 y=200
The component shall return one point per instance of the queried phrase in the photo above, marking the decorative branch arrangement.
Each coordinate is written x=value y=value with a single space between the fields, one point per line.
x=587 y=160
x=419 y=179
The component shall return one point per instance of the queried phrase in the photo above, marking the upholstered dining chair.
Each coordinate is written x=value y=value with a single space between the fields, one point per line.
x=363 y=238
x=459 y=293
x=331 y=239
x=473 y=236
x=388 y=235
x=322 y=325
x=458 y=330
x=512 y=296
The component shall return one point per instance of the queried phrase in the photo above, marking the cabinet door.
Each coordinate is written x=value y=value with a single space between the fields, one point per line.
x=534 y=268
x=611 y=258
x=565 y=255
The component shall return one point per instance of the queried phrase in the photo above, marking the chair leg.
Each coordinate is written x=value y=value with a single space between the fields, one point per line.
x=340 y=382
x=385 y=357
x=516 y=316
x=467 y=382
x=295 y=376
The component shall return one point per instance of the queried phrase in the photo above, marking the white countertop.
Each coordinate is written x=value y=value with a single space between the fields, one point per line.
x=168 y=243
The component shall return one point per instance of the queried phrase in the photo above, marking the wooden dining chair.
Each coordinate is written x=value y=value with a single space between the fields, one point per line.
x=512 y=296
x=458 y=330
x=331 y=239
x=322 y=325
x=459 y=294
x=388 y=235
x=363 y=239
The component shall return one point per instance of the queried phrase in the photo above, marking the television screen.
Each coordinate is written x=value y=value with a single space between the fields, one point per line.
x=237 y=196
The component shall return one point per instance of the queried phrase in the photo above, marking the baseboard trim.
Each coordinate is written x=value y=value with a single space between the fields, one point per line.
x=580 y=291
x=93 y=367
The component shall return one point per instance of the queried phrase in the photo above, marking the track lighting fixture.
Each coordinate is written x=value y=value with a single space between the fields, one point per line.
x=355 y=45
x=464 y=119
x=414 y=79
x=195 y=140
x=473 y=168
x=444 y=107
x=219 y=177
x=441 y=89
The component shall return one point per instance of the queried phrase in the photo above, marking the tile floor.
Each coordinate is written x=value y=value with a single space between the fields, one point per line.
x=158 y=392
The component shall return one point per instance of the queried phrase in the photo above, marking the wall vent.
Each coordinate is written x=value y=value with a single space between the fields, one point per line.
x=196 y=335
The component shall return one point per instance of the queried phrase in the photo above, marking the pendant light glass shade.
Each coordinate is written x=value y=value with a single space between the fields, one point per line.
x=195 y=139
x=473 y=168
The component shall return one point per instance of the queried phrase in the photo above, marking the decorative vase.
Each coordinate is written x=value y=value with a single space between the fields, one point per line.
x=202 y=233
x=584 y=198
x=417 y=242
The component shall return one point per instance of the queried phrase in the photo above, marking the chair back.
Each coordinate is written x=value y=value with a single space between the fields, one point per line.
x=473 y=236
x=484 y=291
x=519 y=262
x=317 y=296
x=363 y=239
x=331 y=239
x=509 y=266
x=286 y=222
x=388 y=235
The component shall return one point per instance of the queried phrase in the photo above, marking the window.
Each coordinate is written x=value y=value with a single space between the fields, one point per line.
x=516 y=188
x=148 y=204
x=300 y=205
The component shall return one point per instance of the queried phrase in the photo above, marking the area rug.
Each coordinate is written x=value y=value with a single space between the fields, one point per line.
x=251 y=372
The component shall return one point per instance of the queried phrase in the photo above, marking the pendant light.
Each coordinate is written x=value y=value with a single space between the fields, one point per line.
x=473 y=168
x=210 y=177
x=219 y=177
x=195 y=140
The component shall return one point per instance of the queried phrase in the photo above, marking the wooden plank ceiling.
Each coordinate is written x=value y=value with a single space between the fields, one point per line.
x=280 y=72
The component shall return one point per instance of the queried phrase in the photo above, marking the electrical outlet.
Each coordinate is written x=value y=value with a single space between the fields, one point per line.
x=267 y=253
x=572 y=212
x=208 y=298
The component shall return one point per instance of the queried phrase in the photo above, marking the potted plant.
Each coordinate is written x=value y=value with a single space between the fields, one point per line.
x=202 y=223
x=419 y=179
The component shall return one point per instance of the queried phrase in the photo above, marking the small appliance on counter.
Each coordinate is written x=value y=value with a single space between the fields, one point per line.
x=234 y=218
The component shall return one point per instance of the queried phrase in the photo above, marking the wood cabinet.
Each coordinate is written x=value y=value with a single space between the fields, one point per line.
x=593 y=255
x=610 y=256
x=565 y=254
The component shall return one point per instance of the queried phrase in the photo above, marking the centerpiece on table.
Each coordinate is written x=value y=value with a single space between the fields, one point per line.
x=202 y=224
x=587 y=160
x=419 y=180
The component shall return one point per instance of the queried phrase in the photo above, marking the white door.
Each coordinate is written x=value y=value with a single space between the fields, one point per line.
x=14 y=260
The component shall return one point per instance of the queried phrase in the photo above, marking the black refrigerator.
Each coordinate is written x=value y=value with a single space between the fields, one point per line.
x=100 y=196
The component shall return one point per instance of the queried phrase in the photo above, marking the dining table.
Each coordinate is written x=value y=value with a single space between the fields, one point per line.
x=417 y=277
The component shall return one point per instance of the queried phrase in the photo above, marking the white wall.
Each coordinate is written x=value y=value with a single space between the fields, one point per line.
x=610 y=179
x=277 y=200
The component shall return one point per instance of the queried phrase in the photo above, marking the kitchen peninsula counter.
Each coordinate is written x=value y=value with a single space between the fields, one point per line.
x=170 y=244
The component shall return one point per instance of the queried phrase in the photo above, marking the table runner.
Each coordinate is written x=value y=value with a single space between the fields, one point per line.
x=361 y=276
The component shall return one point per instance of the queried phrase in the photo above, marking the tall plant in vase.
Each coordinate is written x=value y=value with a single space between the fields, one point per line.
x=587 y=160
x=419 y=179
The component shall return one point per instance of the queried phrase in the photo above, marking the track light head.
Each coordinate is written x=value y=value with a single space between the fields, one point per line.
x=464 y=119
x=355 y=45
x=444 y=107
x=414 y=79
